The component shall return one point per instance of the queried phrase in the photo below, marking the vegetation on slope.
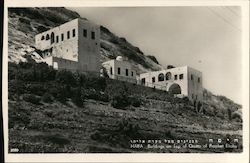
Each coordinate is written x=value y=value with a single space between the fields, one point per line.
x=61 y=111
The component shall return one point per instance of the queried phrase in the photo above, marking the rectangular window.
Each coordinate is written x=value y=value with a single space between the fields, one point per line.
x=93 y=35
x=111 y=70
x=119 y=71
x=181 y=76
x=57 y=39
x=192 y=77
x=175 y=77
x=153 y=79
x=73 y=33
x=126 y=72
x=143 y=81
x=199 y=80
x=84 y=32
x=62 y=36
x=68 y=34
x=132 y=73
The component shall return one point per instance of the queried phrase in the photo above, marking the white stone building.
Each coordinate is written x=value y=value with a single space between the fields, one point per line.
x=74 y=45
x=120 y=70
x=180 y=81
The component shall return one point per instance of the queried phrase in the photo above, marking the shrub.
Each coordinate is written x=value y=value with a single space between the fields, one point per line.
x=18 y=116
x=135 y=101
x=31 y=98
x=78 y=97
x=169 y=134
x=47 y=97
x=80 y=79
x=16 y=87
x=120 y=101
x=229 y=112
x=126 y=128
x=236 y=116
x=114 y=40
x=153 y=58
x=62 y=93
x=35 y=88
x=42 y=28
x=25 y=65
x=97 y=83
x=96 y=95
x=32 y=71
x=65 y=77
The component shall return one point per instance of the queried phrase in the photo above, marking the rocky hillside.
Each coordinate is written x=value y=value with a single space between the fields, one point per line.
x=60 y=111
x=25 y=23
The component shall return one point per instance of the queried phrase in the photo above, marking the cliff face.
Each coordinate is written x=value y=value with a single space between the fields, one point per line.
x=25 y=23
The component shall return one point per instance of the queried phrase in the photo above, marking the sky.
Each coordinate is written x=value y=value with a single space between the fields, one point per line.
x=206 y=38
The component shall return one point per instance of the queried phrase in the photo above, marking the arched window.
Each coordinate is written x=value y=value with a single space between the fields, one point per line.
x=42 y=38
x=52 y=36
x=47 y=37
x=161 y=77
x=168 y=75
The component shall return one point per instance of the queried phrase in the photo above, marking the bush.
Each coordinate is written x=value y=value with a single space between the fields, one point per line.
x=135 y=101
x=65 y=77
x=80 y=79
x=31 y=98
x=96 y=95
x=62 y=93
x=16 y=87
x=35 y=88
x=98 y=83
x=18 y=116
x=236 y=116
x=47 y=97
x=120 y=101
x=126 y=128
x=78 y=97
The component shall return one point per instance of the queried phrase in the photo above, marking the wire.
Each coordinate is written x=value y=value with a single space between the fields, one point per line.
x=230 y=9
x=223 y=18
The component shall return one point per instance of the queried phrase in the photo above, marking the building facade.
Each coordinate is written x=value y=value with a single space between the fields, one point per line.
x=180 y=81
x=120 y=70
x=74 y=45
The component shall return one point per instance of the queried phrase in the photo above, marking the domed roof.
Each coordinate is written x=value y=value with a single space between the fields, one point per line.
x=119 y=58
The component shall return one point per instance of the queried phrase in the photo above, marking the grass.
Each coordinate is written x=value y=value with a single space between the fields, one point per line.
x=75 y=114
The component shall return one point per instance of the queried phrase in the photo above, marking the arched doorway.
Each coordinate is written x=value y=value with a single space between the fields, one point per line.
x=52 y=36
x=174 y=89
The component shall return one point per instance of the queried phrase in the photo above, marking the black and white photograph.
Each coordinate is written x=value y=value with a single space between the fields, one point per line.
x=125 y=79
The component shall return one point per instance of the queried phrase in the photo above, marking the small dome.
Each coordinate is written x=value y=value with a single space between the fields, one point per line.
x=119 y=58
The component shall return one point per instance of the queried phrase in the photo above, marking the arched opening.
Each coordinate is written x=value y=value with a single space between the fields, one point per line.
x=168 y=75
x=174 y=89
x=52 y=36
x=42 y=38
x=161 y=77
x=47 y=37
